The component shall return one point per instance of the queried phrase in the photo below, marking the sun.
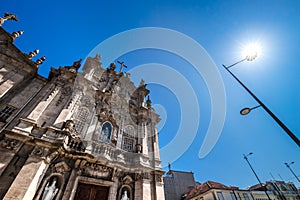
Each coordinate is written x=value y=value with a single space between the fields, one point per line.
x=251 y=51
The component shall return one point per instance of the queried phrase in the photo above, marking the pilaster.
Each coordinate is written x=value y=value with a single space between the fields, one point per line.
x=26 y=183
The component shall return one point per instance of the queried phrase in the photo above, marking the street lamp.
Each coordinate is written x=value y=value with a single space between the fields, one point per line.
x=246 y=158
x=246 y=111
x=288 y=166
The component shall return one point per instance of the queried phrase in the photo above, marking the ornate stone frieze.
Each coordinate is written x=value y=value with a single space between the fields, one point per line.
x=97 y=170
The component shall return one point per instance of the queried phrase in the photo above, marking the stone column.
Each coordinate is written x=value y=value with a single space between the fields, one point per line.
x=156 y=145
x=67 y=113
x=27 y=181
x=26 y=125
x=113 y=191
x=40 y=108
x=69 y=191
x=145 y=139
x=160 y=191
x=138 y=193
x=146 y=188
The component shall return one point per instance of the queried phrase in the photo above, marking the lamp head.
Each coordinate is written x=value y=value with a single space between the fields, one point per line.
x=245 y=111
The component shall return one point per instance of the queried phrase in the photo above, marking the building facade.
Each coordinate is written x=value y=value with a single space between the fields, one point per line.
x=276 y=190
x=74 y=135
x=177 y=183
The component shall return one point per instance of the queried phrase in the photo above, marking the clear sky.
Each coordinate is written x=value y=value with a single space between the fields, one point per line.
x=65 y=31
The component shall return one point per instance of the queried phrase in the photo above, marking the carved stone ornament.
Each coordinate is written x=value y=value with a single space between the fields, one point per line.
x=109 y=79
x=76 y=65
x=8 y=16
x=10 y=144
x=38 y=151
x=61 y=167
x=127 y=180
x=138 y=177
x=97 y=170
x=72 y=142
x=158 y=177
x=145 y=175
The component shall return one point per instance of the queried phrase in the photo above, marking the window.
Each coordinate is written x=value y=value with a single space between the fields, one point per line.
x=220 y=196
x=128 y=144
x=6 y=113
x=246 y=196
x=233 y=197
x=81 y=119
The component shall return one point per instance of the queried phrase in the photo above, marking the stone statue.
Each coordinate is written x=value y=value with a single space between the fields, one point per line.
x=124 y=196
x=50 y=191
x=105 y=134
x=8 y=16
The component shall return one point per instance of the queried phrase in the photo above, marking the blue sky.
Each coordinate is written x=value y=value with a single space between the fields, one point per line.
x=65 y=31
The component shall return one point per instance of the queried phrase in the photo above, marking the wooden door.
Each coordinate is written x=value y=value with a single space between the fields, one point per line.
x=91 y=192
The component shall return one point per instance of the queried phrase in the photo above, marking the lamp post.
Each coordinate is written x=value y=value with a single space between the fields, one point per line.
x=288 y=166
x=261 y=104
x=246 y=158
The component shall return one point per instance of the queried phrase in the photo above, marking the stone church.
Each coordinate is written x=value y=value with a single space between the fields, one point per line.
x=81 y=134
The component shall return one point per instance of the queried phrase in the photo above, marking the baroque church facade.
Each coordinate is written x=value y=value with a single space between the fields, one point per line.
x=74 y=135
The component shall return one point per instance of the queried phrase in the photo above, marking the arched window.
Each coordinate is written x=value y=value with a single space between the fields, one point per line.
x=81 y=119
x=106 y=132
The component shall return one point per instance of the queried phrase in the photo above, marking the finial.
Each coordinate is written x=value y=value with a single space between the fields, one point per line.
x=16 y=34
x=98 y=57
x=142 y=82
x=169 y=166
x=8 y=16
x=33 y=53
x=40 y=60
x=148 y=102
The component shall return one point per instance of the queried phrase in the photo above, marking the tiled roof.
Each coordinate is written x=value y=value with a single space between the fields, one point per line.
x=202 y=188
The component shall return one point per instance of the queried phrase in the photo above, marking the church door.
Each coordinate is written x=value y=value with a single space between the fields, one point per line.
x=91 y=192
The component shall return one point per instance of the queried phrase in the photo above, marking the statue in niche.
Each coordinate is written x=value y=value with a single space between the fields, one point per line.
x=106 y=132
x=50 y=190
x=124 y=196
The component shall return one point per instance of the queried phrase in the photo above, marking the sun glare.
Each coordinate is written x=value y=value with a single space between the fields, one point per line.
x=251 y=51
